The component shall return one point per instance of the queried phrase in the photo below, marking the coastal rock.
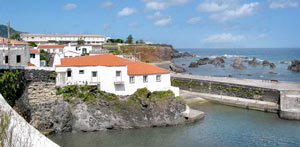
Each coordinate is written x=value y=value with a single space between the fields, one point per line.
x=193 y=65
x=272 y=65
x=284 y=62
x=266 y=63
x=295 y=66
x=203 y=61
x=176 y=68
x=253 y=62
x=142 y=109
x=238 y=64
x=218 y=61
x=177 y=54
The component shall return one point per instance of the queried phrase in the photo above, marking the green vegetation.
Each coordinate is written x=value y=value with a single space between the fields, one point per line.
x=80 y=42
x=4 y=124
x=115 y=41
x=10 y=83
x=110 y=45
x=3 y=31
x=45 y=56
x=115 y=52
x=32 y=44
x=129 y=39
x=15 y=36
x=87 y=93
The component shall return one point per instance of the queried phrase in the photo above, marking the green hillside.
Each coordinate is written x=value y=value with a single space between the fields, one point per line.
x=3 y=31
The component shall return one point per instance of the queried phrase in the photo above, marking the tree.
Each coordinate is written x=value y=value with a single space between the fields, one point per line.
x=32 y=44
x=129 y=39
x=80 y=42
x=15 y=36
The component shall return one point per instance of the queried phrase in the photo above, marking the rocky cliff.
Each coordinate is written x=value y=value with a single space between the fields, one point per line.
x=85 y=108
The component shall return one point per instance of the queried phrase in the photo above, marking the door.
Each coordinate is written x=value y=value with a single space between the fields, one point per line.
x=94 y=77
x=61 y=79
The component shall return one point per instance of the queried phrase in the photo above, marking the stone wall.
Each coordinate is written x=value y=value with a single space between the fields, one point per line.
x=227 y=89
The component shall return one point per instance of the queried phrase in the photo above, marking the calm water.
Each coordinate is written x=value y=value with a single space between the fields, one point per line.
x=252 y=72
x=222 y=126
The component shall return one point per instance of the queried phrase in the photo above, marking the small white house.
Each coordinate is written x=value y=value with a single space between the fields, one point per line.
x=52 y=48
x=35 y=57
x=75 y=51
x=113 y=74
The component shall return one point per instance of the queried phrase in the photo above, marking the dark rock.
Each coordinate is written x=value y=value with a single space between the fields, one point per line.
x=218 y=61
x=177 y=54
x=266 y=63
x=253 y=62
x=272 y=65
x=203 y=61
x=176 y=68
x=295 y=66
x=193 y=65
x=273 y=73
x=284 y=62
x=238 y=64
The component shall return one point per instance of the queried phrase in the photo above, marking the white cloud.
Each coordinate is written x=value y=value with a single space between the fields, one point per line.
x=134 y=24
x=156 y=15
x=282 y=4
x=163 y=22
x=194 y=20
x=106 y=4
x=242 y=11
x=127 y=11
x=162 y=4
x=69 y=6
x=223 y=38
x=262 y=35
x=212 y=7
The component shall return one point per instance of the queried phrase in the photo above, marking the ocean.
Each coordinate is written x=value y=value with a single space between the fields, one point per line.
x=275 y=55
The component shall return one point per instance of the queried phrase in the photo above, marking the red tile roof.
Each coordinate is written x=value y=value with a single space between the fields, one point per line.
x=30 y=64
x=16 y=42
x=50 y=46
x=134 y=67
x=34 y=50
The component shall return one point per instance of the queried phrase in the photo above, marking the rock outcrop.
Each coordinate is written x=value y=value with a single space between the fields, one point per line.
x=177 y=54
x=238 y=64
x=176 y=68
x=268 y=63
x=57 y=114
x=203 y=61
x=253 y=62
x=295 y=66
x=218 y=61
x=193 y=64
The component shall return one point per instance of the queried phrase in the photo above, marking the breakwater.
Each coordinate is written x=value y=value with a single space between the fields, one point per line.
x=257 y=94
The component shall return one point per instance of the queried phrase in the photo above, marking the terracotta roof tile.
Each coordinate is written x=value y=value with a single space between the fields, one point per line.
x=34 y=50
x=134 y=67
x=50 y=46
x=16 y=42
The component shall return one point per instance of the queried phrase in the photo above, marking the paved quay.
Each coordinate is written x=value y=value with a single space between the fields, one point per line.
x=278 y=85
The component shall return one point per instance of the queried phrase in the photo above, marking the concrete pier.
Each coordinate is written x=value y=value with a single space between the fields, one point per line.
x=288 y=105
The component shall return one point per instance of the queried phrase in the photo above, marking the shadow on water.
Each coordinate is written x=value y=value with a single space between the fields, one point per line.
x=222 y=126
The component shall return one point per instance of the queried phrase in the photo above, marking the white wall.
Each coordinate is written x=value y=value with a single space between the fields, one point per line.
x=23 y=134
x=36 y=60
x=107 y=78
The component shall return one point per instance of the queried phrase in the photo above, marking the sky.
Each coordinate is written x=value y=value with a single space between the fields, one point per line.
x=181 y=23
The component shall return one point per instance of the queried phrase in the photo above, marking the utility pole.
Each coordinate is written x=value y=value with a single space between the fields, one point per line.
x=8 y=43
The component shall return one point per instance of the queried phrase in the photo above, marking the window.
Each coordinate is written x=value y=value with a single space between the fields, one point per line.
x=6 y=59
x=118 y=73
x=81 y=71
x=32 y=56
x=131 y=79
x=18 y=58
x=94 y=73
x=158 y=78
x=69 y=73
x=145 y=79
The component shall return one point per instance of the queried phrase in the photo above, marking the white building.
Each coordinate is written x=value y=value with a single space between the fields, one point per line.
x=35 y=57
x=52 y=48
x=113 y=74
x=15 y=53
x=54 y=39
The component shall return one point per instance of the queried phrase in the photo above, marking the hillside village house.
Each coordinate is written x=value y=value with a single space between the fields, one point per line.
x=52 y=48
x=113 y=74
x=35 y=57
x=55 y=39
x=18 y=54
